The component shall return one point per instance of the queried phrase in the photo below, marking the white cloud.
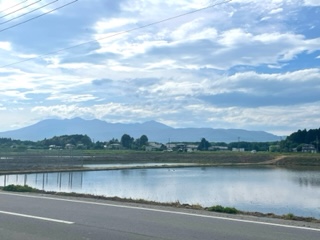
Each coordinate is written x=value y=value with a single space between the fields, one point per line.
x=193 y=30
x=276 y=11
x=234 y=37
x=312 y=2
x=72 y=98
x=272 y=119
x=5 y=46
x=299 y=76
x=26 y=55
x=110 y=112
x=105 y=25
x=237 y=47
x=13 y=94
x=234 y=46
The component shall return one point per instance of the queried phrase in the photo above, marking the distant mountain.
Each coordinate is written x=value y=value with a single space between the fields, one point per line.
x=99 y=130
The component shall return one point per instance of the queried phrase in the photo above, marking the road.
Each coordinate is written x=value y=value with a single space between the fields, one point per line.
x=35 y=217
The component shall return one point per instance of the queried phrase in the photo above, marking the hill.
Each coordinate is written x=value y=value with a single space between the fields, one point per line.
x=99 y=130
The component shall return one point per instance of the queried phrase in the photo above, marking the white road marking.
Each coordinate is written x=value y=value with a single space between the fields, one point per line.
x=165 y=211
x=36 y=217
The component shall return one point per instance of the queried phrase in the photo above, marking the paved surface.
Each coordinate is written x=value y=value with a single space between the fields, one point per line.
x=28 y=216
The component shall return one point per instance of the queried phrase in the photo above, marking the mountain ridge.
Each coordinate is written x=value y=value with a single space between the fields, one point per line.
x=99 y=130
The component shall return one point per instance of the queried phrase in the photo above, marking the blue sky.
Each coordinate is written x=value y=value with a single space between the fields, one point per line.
x=244 y=64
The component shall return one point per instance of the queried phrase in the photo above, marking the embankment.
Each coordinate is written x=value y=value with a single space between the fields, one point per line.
x=76 y=162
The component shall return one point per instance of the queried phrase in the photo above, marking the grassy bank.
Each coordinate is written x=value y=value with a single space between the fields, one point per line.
x=177 y=157
x=55 y=160
x=210 y=158
x=300 y=160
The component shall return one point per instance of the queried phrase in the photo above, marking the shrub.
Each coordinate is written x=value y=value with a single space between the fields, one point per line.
x=289 y=216
x=19 y=188
x=219 y=208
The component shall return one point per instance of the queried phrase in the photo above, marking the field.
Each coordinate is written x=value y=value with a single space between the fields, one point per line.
x=45 y=160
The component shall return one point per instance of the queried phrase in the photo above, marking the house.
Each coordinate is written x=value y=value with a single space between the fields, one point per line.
x=114 y=146
x=171 y=145
x=238 y=149
x=181 y=147
x=192 y=148
x=153 y=146
x=308 y=148
x=69 y=146
x=274 y=148
x=81 y=146
x=218 y=148
x=51 y=147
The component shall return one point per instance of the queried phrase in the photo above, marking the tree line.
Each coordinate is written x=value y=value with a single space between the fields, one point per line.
x=75 y=141
x=78 y=141
x=300 y=138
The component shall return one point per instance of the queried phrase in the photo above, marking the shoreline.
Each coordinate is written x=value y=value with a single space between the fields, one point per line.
x=115 y=168
x=143 y=160
x=159 y=166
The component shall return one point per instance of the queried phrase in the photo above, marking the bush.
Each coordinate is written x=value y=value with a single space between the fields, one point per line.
x=289 y=216
x=19 y=188
x=219 y=208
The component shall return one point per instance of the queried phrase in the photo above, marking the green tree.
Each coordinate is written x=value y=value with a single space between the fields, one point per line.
x=204 y=145
x=296 y=139
x=126 y=141
x=143 y=140
x=98 y=145
x=113 y=140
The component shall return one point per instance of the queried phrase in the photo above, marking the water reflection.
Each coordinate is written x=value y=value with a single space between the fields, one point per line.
x=250 y=189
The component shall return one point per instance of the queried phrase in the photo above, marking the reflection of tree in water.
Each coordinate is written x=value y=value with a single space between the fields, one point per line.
x=143 y=172
x=125 y=172
x=308 y=181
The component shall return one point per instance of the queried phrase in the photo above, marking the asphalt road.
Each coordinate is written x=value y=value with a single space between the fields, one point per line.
x=31 y=216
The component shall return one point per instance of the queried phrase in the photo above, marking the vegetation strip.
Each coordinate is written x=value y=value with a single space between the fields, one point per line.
x=53 y=162
x=177 y=204
x=300 y=141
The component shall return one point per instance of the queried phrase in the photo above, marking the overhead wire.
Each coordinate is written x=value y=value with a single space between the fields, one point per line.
x=3 y=10
x=17 y=10
x=30 y=19
x=36 y=9
x=119 y=33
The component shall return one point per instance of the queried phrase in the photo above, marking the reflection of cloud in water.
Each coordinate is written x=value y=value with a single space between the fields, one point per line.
x=250 y=189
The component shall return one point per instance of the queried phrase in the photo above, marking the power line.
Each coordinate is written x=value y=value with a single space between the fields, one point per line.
x=17 y=10
x=30 y=19
x=14 y=6
x=36 y=9
x=119 y=33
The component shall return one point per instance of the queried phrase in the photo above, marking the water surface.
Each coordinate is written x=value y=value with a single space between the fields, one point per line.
x=262 y=189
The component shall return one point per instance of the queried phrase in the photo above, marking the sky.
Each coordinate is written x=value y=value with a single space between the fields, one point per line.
x=241 y=64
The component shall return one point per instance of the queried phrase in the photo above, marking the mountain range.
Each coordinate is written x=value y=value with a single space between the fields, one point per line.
x=99 y=130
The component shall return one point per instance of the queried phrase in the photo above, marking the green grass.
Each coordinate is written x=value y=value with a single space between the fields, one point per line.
x=219 y=208
x=19 y=188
